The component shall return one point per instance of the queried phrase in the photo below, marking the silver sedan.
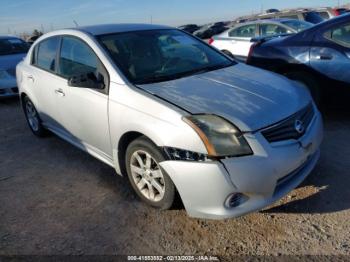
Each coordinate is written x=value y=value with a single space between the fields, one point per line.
x=174 y=115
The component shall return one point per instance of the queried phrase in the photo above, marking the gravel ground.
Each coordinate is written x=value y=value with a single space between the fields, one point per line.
x=55 y=199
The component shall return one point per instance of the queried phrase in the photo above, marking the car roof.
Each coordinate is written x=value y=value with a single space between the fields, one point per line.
x=8 y=37
x=118 y=28
x=272 y=20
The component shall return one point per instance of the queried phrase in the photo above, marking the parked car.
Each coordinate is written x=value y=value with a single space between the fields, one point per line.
x=12 y=51
x=208 y=31
x=318 y=57
x=272 y=10
x=298 y=14
x=189 y=28
x=236 y=42
x=340 y=11
x=228 y=137
x=328 y=12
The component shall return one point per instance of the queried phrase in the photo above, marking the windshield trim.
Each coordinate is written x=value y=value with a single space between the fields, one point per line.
x=231 y=62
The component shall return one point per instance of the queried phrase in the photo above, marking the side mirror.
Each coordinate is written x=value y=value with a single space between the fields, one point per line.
x=87 y=80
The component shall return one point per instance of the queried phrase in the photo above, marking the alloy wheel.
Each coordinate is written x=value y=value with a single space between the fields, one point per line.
x=147 y=176
x=32 y=115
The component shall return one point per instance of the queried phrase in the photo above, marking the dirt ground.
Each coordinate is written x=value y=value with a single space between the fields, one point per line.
x=56 y=199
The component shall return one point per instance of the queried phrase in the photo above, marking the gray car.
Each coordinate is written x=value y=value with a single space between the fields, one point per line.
x=173 y=114
x=12 y=51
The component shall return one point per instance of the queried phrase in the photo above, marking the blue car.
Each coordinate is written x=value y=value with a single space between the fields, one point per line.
x=318 y=57
x=12 y=51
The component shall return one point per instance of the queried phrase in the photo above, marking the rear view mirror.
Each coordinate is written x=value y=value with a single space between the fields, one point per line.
x=87 y=80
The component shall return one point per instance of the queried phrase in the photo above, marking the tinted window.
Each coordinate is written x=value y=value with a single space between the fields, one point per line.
x=161 y=55
x=290 y=17
x=46 y=54
x=272 y=29
x=10 y=46
x=244 y=31
x=297 y=25
x=324 y=15
x=341 y=35
x=76 y=58
x=313 y=17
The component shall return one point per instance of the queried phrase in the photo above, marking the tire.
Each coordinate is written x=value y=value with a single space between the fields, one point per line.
x=310 y=82
x=33 y=119
x=146 y=176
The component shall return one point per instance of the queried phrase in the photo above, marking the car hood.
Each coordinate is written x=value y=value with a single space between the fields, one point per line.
x=248 y=97
x=10 y=61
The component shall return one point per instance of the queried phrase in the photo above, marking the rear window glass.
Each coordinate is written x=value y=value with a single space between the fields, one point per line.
x=244 y=31
x=272 y=29
x=46 y=54
x=313 y=17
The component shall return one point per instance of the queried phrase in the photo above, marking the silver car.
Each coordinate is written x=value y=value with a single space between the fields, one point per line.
x=12 y=51
x=174 y=115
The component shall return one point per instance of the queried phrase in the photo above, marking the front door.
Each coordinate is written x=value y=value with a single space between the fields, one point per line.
x=84 y=111
x=331 y=55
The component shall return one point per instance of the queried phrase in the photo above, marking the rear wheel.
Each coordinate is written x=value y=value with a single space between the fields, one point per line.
x=309 y=82
x=151 y=183
x=33 y=118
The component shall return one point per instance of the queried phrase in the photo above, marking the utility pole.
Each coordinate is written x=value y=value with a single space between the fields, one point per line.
x=151 y=19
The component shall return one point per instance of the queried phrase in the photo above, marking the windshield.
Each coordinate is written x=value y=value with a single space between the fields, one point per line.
x=161 y=55
x=10 y=46
x=297 y=25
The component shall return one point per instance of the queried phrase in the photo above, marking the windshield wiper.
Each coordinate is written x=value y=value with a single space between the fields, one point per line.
x=157 y=79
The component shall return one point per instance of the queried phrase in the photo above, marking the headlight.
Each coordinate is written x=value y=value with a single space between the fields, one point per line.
x=184 y=155
x=220 y=137
x=4 y=75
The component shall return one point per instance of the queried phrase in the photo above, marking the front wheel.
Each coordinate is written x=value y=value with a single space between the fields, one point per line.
x=151 y=183
x=33 y=118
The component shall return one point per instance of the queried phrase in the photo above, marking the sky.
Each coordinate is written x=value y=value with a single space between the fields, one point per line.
x=19 y=16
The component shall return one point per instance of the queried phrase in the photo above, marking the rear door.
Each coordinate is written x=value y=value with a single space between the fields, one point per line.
x=44 y=82
x=270 y=29
x=330 y=52
x=83 y=110
x=239 y=41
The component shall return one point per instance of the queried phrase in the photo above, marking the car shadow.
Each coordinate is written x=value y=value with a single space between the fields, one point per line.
x=326 y=189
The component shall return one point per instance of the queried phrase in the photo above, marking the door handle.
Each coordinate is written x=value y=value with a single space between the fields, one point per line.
x=30 y=77
x=324 y=57
x=60 y=92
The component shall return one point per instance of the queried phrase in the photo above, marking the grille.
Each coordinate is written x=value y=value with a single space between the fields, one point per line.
x=293 y=127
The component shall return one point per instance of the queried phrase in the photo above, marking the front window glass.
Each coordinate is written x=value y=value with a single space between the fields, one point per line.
x=244 y=31
x=46 y=56
x=9 y=46
x=272 y=29
x=341 y=35
x=161 y=55
x=297 y=25
x=76 y=58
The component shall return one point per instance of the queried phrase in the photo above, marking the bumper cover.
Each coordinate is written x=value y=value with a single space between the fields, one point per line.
x=271 y=173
